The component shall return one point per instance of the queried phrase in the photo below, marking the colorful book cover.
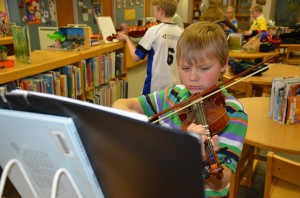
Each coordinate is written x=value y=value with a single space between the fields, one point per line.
x=48 y=83
x=96 y=72
x=113 y=64
x=78 y=81
x=68 y=70
x=100 y=59
x=89 y=73
x=84 y=71
x=293 y=104
x=63 y=85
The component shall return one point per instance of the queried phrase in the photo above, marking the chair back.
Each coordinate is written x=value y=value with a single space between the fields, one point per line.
x=282 y=177
x=293 y=54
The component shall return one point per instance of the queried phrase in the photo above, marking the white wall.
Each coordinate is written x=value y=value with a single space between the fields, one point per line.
x=136 y=77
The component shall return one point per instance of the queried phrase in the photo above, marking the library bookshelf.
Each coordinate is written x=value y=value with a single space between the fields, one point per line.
x=46 y=61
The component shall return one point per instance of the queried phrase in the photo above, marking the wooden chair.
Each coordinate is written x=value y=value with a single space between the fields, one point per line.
x=282 y=177
x=244 y=170
x=293 y=55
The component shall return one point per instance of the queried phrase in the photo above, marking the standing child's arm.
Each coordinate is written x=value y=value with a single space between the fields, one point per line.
x=131 y=46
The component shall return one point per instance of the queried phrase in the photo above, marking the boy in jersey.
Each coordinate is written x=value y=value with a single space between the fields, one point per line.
x=202 y=56
x=159 y=43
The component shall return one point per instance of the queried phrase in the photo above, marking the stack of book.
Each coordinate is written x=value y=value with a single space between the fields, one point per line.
x=285 y=100
x=101 y=69
x=65 y=81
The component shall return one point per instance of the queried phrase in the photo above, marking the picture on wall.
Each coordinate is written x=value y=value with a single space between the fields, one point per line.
x=261 y=2
x=33 y=14
x=118 y=4
x=96 y=2
x=3 y=20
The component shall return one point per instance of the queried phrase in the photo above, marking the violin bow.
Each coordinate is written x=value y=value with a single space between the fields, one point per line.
x=213 y=90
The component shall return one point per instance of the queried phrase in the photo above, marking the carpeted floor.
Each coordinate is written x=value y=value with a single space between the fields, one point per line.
x=258 y=182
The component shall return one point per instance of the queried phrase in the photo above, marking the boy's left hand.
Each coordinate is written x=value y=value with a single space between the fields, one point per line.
x=199 y=129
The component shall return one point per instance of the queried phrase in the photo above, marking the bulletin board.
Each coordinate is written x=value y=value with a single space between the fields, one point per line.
x=35 y=13
x=86 y=11
x=128 y=11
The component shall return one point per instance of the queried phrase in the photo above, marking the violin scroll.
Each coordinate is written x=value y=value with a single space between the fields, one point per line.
x=111 y=37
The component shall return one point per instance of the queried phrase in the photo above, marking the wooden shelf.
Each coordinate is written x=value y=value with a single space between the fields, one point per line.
x=41 y=61
x=6 y=40
x=47 y=60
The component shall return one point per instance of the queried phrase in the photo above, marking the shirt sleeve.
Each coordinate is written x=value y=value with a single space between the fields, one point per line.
x=233 y=136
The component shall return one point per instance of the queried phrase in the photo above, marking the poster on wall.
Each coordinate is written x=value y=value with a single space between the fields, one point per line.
x=52 y=8
x=3 y=19
x=129 y=14
x=118 y=4
x=33 y=14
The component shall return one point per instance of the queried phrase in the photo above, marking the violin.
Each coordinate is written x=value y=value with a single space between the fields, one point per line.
x=212 y=115
x=139 y=31
x=111 y=37
x=207 y=109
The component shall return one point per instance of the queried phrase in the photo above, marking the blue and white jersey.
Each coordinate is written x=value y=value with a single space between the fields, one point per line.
x=159 y=43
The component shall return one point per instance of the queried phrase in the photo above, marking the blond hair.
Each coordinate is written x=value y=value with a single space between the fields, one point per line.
x=230 y=8
x=214 y=11
x=169 y=6
x=200 y=41
x=256 y=8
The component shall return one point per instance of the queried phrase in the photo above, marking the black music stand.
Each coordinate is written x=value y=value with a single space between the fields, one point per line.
x=130 y=158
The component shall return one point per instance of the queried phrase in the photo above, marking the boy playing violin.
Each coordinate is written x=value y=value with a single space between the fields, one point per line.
x=159 y=43
x=202 y=56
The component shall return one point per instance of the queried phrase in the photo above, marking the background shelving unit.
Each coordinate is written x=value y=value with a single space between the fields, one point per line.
x=44 y=61
x=196 y=10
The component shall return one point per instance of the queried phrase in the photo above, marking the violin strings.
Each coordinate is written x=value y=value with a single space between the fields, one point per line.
x=208 y=95
x=201 y=119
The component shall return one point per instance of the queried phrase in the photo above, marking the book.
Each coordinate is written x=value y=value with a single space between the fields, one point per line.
x=283 y=104
x=293 y=103
x=48 y=83
x=63 y=85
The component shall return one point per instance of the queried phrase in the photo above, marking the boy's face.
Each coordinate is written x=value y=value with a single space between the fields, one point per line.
x=255 y=14
x=200 y=77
